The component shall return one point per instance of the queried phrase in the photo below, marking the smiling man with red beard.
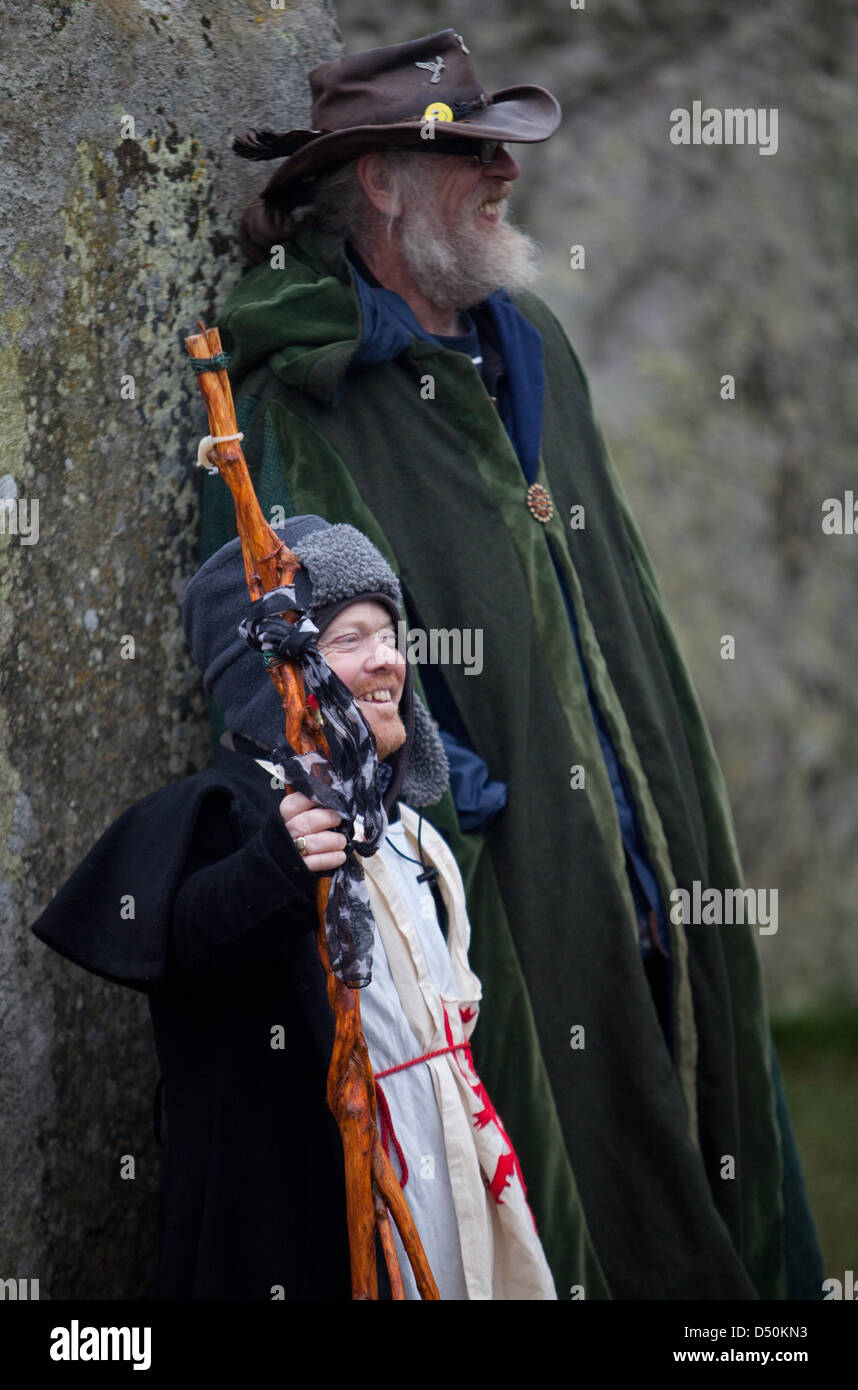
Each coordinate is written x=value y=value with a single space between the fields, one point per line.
x=221 y=867
x=394 y=371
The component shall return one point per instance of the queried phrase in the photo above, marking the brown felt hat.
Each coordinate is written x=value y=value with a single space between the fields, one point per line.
x=395 y=96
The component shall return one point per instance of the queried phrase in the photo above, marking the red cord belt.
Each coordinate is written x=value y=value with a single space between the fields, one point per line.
x=388 y=1133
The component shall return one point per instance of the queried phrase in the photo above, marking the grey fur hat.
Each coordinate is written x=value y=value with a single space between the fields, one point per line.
x=339 y=566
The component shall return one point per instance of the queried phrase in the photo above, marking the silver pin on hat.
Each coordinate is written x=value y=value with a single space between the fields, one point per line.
x=435 y=66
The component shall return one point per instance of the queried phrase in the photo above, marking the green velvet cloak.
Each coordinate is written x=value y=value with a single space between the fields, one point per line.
x=623 y=1150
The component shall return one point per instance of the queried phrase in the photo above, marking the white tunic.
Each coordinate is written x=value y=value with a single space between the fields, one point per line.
x=410 y=1094
x=463 y=1185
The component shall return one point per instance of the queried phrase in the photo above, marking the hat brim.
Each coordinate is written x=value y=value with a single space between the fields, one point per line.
x=516 y=115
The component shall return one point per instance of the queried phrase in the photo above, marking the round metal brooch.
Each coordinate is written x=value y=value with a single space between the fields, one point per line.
x=539 y=503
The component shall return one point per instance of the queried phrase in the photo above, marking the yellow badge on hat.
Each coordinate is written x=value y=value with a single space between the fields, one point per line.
x=437 y=111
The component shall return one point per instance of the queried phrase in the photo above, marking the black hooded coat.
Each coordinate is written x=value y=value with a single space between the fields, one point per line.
x=223 y=943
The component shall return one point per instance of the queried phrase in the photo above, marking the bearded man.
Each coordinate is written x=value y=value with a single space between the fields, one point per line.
x=394 y=372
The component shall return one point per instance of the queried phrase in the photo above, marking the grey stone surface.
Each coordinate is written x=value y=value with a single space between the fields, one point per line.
x=112 y=242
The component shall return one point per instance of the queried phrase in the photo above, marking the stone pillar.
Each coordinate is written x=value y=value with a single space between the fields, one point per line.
x=117 y=229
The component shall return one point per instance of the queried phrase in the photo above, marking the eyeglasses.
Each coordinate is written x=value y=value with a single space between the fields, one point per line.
x=348 y=643
x=489 y=150
x=483 y=151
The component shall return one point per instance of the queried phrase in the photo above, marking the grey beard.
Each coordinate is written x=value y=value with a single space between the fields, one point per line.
x=458 y=268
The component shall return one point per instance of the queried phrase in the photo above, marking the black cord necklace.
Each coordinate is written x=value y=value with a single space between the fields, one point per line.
x=429 y=874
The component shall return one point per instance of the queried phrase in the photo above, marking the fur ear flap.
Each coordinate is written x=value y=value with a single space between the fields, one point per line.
x=268 y=144
x=428 y=771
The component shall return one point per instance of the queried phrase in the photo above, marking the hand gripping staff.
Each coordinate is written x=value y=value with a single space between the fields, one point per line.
x=329 y=754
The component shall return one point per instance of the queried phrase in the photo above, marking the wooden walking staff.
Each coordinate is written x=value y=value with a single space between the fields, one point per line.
x=372 y=1188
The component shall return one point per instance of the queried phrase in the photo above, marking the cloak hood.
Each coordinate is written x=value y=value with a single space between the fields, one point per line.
x=307 y=326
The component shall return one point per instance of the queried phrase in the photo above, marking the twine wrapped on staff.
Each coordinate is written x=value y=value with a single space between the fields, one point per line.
x=329 y=755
